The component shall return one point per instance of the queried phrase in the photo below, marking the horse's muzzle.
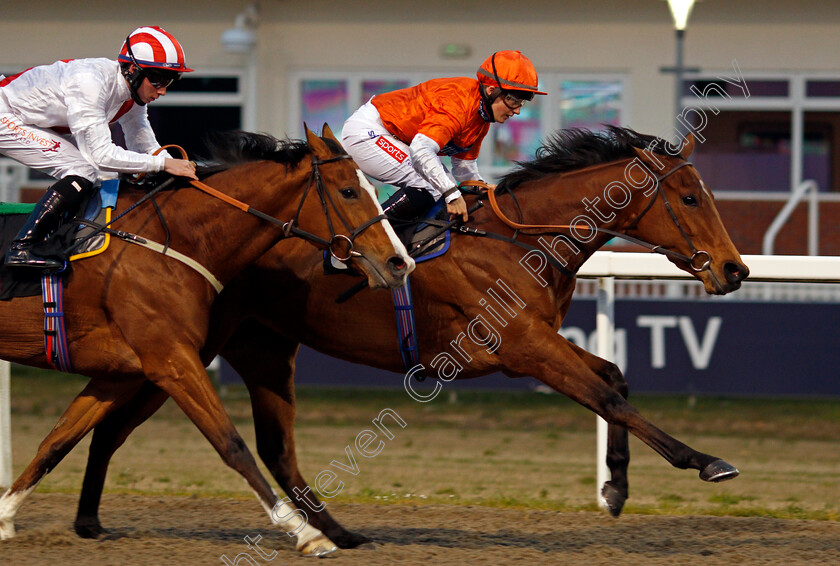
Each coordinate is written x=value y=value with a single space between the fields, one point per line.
x=735 y=273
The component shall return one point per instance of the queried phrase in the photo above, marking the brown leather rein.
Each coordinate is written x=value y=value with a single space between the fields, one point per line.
x=290 y=227
x=703 y=256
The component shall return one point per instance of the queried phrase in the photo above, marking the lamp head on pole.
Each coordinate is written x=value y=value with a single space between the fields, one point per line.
x=242 y=37
x=680 y=10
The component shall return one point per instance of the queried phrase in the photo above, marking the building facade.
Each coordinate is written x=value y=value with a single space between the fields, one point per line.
x=761 y=84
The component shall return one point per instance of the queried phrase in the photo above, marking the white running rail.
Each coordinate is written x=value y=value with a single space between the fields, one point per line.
x=609 y=266
x=604 y=266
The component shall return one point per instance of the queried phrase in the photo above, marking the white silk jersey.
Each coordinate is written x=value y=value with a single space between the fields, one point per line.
x=82 y=96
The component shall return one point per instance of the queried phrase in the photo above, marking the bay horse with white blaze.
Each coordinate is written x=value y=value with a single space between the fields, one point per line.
x=134 y=317
x=666 y=205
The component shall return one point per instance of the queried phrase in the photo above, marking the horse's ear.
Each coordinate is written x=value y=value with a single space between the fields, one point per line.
x=326 y=132
x=316 y=144
x=688 y=148
x=649 y=159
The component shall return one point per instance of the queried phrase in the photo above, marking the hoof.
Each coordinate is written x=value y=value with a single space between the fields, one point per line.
x=318 y=546
x=719 y=471
x=352 y=540
x=613 y=500
x=88 y=529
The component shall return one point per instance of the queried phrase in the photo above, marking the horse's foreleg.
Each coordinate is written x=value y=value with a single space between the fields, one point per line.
x=266 y=363
x=616 y=490
x=190 y=388
x=88 y=409
x=547 y=356
x=108 y=436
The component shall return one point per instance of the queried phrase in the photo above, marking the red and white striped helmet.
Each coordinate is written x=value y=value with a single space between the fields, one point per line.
x=154 y=48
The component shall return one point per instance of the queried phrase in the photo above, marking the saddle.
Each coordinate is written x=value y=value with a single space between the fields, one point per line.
x=70 y=242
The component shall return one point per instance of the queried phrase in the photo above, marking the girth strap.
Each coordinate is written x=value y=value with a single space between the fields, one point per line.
x=169 y=252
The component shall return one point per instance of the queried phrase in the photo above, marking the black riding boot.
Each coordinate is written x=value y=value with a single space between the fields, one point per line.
x=44 y=219
x=408 y=204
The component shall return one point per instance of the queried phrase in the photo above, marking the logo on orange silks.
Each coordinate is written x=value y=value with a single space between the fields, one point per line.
x=391 y=149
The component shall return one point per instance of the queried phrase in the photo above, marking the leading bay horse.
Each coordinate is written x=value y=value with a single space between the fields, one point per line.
x=622 y=181
x=134 y=316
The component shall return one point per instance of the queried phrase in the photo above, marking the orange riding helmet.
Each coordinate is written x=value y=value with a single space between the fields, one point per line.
x=510 y=71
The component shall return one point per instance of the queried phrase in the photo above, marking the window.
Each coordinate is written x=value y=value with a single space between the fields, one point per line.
x=590 y=104
x=324 y=101
x=573 y=101
x=747 y=141
x=194 y=107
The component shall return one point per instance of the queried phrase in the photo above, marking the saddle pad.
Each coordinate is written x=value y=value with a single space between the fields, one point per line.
x=27 y=282
x=424 y=247
x=422 y=243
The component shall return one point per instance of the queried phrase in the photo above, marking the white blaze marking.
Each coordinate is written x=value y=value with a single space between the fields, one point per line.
x=395 y=241
x=706 y=189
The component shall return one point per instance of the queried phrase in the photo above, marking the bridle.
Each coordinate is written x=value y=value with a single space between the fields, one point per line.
x=315 y=179
x=704 y=256
x=700 y=260
x=290 y=227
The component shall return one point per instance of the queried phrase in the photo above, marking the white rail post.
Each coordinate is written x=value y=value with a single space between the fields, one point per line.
x=5 y=425
x=605 y=326
x=796 y=196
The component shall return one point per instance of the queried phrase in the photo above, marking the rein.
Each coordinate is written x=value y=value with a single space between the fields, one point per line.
x=289 y=227
x=703 y=256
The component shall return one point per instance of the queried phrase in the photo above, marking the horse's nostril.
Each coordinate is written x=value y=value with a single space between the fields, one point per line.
x=735 y=273
x=397 y=264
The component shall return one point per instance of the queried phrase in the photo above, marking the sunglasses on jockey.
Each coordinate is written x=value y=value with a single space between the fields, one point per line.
x=513 y=99
x=159 y=78
x=516 y=100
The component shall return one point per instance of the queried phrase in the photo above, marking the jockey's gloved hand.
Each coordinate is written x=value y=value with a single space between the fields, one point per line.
x=147 y=181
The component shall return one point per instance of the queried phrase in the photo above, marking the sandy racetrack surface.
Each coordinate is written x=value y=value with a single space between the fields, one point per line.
x=198 y=530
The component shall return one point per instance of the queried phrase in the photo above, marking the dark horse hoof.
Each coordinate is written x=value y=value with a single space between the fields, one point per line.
x=719 y=471
x=352 y=540
x=613 y=499
x=91 y=529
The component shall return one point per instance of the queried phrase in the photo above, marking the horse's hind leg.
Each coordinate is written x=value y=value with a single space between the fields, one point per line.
x=108 y=436
x=616 y=490
x=266 y=363
x=84 y=412
x=184 y=379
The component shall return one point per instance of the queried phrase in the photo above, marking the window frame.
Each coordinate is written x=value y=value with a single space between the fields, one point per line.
x=549 y=110
x=796 y=103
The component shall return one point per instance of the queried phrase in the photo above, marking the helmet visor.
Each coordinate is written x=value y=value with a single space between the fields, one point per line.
x=514 y=99
x=161 y=78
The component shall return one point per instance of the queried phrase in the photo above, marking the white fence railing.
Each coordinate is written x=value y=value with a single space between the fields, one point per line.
x=604 y=266
x=609 y=266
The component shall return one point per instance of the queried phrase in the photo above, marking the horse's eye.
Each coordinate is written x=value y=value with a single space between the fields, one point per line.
x=690 y=200
x=349 y=192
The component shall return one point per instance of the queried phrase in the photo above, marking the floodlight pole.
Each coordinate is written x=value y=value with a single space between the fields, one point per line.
x=680 y=11
x=679 y=70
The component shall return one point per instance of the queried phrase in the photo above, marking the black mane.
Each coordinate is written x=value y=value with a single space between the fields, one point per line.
x=575 y=148
x=235 y=147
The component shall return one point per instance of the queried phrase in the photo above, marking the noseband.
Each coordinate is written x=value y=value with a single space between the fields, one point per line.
x=702 y=256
